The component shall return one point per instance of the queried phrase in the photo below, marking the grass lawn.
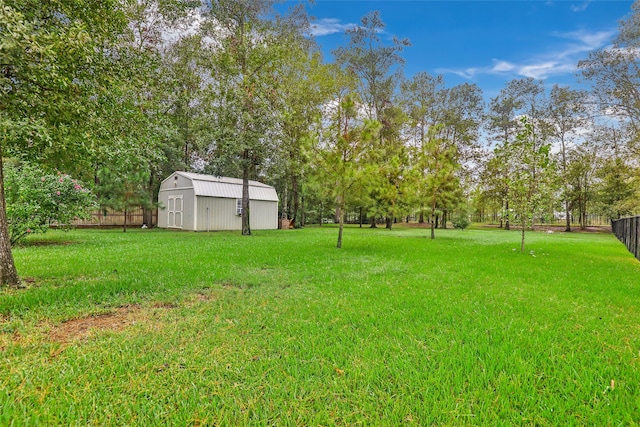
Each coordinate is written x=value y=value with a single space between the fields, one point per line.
x=153 y=327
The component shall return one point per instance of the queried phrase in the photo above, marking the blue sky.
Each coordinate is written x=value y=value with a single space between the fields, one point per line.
x=484 y=42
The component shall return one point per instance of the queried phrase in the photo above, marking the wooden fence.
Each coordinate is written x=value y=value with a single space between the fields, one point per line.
x=111 y=218
x=627 y=230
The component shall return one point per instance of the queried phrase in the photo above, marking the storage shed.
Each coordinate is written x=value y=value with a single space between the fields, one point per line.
x=191 y=201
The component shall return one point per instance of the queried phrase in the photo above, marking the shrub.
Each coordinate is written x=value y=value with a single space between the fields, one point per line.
x=36 y=199
x=461 y=220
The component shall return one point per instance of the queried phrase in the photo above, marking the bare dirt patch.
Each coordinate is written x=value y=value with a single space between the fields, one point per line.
x=82 y=327
x=205 y=296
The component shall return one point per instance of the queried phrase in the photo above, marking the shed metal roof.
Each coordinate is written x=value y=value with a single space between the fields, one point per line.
x=225 y=187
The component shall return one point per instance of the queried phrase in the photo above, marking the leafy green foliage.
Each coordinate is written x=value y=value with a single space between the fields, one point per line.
x=530 y=167
x=376 y=62
x=123 y=191
x=37 y=199
x=616 y=188
x=614 y=70
x=243 y=101
x=568 y=112
x=304 y=87
x=461 y=219
x=57 y=68
x=340 y=159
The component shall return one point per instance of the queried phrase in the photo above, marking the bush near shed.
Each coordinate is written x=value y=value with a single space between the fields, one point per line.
x=36 y=199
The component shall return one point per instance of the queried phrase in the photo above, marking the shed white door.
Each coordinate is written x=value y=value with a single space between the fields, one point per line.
x=174 y=210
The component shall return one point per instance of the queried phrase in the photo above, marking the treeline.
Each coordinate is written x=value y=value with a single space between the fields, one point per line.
x=136 y=89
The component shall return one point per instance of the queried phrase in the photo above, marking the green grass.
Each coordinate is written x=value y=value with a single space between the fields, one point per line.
x=280 y=328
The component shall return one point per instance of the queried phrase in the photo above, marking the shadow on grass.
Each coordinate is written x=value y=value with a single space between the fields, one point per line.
x=43 y=242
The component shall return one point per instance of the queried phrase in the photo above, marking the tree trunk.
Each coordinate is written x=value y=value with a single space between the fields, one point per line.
x=341 y=222
x=8 y=272
x=360 y=216
x=444 y=219
x=147 y=217
x=296 y=201
x=389 y=223
x=434 y=220
x=373 y=222
x=124 y=225
x=147 y=213
x=246 y=229
x=421 y=220
x=285 y=202
x=506 y=220
x=568 y=214
x=524 y=227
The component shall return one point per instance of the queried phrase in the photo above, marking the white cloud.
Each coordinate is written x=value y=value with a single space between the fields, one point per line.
x=561 y=61
x=583 y=41
x=581 y=7
x=543 y=70
x=327 y=26
x=500 y=66
x=468 y=73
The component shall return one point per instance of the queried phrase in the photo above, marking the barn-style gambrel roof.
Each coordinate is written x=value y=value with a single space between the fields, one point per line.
x=225 y=187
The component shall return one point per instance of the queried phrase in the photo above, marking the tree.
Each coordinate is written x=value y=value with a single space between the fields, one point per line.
x=530 y=159
x=519 y=98
x=582 y=164
x=494 y=185
x=54 y=60
x=391 y=166
x=616 y=188
x=419 y=97
x=123 y=191
x=440 y=181
x=614 y=72
x=162 y=80
x=244 y=66
x=503 y=125
x=375 y=64
x=567 y=116
x=461 y=115
x=304 y=87
x=378 y=67
x=462 y=110
x=615 y=166
x=339 y=158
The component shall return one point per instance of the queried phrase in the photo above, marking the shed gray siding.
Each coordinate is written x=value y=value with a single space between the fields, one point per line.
x=267 y=217
x=216 y=213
